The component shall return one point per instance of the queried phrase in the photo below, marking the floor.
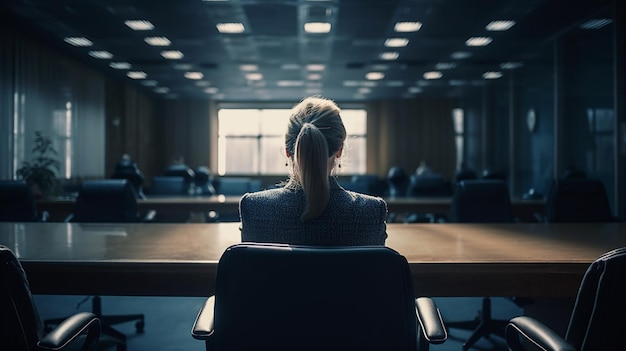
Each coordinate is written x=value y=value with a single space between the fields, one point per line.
x=168 y=320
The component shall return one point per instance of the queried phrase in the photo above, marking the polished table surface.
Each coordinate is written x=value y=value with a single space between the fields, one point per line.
x=523 y=259
x=61 y=208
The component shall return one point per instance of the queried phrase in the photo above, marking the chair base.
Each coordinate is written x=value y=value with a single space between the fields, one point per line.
x=482 y=326
x=107 y=322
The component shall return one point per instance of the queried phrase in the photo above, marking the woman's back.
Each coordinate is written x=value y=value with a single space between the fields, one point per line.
x=349 y=219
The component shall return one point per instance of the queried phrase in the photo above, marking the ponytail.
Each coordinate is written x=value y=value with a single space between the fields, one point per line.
x=311 y=169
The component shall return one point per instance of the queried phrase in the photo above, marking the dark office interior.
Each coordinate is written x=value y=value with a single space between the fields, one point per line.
x=544 y=97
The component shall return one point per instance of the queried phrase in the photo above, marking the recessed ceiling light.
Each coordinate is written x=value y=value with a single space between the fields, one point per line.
x=596 y=23
x=511 y=65
x=78 y=41
x=172 y=54
x=369 y=83
x=290 y=66
x=396 y=42
x=374 y=75
x=315 y=67
x=139 y=25
x=194 y=75
x=432 y=75
x=202 y=83
x=150 y=83
x=101 y=54
x=459 y=55
x=162 y=90
x=492 y=75
x=249 y=68
x=254 y=76
x=350 y=83
x=289 y=83
x=364 y=90
x=500 y=25
x=445 y=65
x=158 y=41
x=136 y=75
x=390 y=55
x=317 y=27
x=415 y=90
x=211 y=90
x=230 y=28
x=478 y=41
x=314 y=76
x=120 y=65
x=407 y=26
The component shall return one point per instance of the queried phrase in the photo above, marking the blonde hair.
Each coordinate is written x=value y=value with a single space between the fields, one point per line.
x=315 y=133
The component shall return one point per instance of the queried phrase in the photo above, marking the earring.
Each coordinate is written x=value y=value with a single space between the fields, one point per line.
x=339 y=165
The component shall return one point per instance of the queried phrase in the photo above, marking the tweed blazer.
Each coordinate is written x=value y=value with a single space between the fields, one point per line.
x=349 y=219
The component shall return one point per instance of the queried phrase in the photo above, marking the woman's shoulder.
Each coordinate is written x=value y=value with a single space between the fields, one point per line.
x=365 y=200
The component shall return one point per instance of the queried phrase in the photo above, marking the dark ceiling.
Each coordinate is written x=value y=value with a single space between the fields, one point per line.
x=274 y=41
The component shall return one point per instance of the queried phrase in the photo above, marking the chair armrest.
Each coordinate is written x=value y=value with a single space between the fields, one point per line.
x=203 y=326
x=531 y=330
x=72 y=327
x=430 y=321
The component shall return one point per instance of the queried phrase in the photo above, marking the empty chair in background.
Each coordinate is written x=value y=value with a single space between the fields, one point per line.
x=481 y=201
x=107 y=201
x=21 y=324
x=428 y=185
x=397 y=181
x=18 y=202
x=178 y=168
x=280 y=297
x=595 y=322
x=232 y=186
x=168 y=186
x=126 y=168
x=464 y=172
x=204 y=181
x=578 y=200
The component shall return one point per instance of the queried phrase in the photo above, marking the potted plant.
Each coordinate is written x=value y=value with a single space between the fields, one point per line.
x=40 y=172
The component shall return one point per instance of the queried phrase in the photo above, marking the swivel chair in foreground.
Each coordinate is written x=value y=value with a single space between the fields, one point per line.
x=280 y=297
x=21 y=327
x=596 y=319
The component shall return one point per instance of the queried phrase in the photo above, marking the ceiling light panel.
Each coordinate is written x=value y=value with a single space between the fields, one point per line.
x=194 y=75
x=500 y=25
x=101 y=54
x=596 y=23
x=492 y=75
x=139 y=25
x=78 y=41
x=231 y=28
x=374 y=76
x=406 y=27
x=396 y=42
x=172 y=54
x=120 y=65
x=136 y=75
x=433 y=75
x=478 y=41
x=249 y=68
x=389 y=56
x=315 y=67
x=317 y=27
x=158 y=41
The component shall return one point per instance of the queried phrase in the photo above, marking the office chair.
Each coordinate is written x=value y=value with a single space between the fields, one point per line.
x=169 y=186
x=107 y=201
x=280 y=297
x=397 y=181
x=481 y=201
x=578 y=200
x=204 y=181
x=595 y=320
x=127 y=169
x=428 y=185
x=182 y=170
x=20 y=326
x=18 y=203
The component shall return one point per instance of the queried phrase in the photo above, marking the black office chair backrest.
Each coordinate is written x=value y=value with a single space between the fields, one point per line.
x=600 y=305
x=397 y=181
x=277 y=297
x=18 y=203
x=21 y=326
x=234 y=186
x=428 y=185
x=481 y=201
x=129 y=171
x=578 y=200
x=107 y=200
x=169 y=186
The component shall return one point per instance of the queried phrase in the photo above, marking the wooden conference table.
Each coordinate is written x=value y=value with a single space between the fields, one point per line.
x=61 y=208
x=524 y=259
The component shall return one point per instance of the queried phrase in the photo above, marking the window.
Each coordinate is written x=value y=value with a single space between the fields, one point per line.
x=252 y=141
x=459 y=133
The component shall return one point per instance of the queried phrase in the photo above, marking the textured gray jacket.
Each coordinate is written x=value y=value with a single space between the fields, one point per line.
x=349 y=219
